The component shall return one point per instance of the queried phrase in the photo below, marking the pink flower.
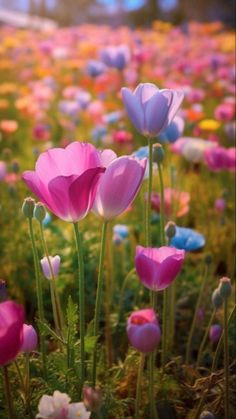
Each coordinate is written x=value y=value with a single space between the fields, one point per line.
x=143 y=330
x=66 y=180
x=58 y=406
x=174 y=201
x=158 y=267
x=220 y=158
x=119 y=186
x=224 y=112
x=30 y=338
x=11 y=330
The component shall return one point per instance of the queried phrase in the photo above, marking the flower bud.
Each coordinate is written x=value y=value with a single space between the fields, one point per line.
x=92 y=398
x=28 y=207
x=158 y=153
x=55 y=264
x=215 y=333
x=39 y=212
x=206 y=415
x=208 y=259
x=225 y=287
x=3 y=291
x=216 y=299
x=30 y=338
x=170 y=229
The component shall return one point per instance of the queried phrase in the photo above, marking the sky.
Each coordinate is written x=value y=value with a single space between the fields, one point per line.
x=112 y=4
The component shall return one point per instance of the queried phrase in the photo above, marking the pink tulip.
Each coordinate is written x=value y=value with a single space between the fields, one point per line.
x=11 y=330
x=158 y=267
x=143 y=330
x=66 y=180
x=220 y=158
x=119 y=186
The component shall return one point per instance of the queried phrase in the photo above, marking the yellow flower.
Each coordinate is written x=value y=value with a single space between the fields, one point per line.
x=209 y=124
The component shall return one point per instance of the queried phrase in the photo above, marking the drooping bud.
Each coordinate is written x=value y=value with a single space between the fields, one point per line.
x=28 y=207
x=30 y=339
x=158 y=153
x=92 y=398
x=170 y=229
x=225 y=287
x=55 y=262
x=216 y=299
x=39 y=212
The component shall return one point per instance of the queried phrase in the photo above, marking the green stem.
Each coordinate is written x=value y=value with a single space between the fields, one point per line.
x=220 y=343
x=162 y=206
x=99 y=299
x=148 y=208
x=8 y=392
x=57 y=312
x=190 y=336
x=204 y=339
x=164 y=329
x=226 y=358
x=139 y=384
x=79 y=248
x=39 y=290
x=153 y=410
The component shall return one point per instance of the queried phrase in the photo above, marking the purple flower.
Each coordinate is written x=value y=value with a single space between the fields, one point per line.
x=150 y=109
x=143 y=330
x=215 y=333
x=116 y=56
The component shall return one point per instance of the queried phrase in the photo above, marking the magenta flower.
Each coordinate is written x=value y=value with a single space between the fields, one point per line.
x=11 y=330
x=150 y=109
x=66 y=180
x=119 y=186
x=220 y=158
x=215 y=333
x=143 y=330
x=30 y=339
x=158 y=267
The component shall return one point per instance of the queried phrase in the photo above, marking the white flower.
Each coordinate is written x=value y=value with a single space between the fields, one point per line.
x=58 y=406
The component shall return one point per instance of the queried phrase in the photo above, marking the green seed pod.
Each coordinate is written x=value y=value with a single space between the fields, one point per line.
x=170 y=229
x=39 y=212
x=28 y=207
x=158 y=153
x=216 y=299
x=225 y=287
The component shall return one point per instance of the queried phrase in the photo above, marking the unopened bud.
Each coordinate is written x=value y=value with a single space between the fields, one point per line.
x=216 y=299
x=92 y=398
x=215 y=333
x=39 y=212
x=170 y=229
x=158 y=153
x=208 y=259
x=28 y=207
x=225 y=287
x=52 y=269
x=30 y=339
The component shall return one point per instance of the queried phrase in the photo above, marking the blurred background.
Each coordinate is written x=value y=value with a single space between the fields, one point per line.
x=118 y=12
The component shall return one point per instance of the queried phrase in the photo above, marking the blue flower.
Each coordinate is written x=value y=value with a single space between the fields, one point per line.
x=187 y=239
x=173 y=131
x=95 y=68
x=141 y=153
x=122 y=230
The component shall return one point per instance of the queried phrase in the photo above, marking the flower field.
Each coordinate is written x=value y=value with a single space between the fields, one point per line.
x=117 y=222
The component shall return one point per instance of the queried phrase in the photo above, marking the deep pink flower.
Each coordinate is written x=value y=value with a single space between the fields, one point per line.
x=66 y=180
x=224 y=112
x=11 y=330
x=220 y=158
x=119 y=186
x=158 y=267
x=143 y=330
